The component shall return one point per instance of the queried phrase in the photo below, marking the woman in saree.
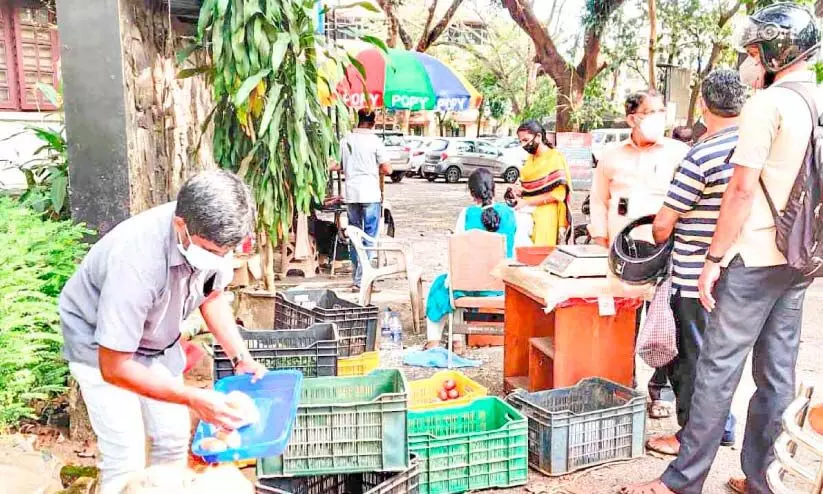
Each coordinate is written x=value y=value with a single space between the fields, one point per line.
x=545 y=186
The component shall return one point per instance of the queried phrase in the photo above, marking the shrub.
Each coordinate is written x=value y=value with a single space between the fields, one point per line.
x=37 y=258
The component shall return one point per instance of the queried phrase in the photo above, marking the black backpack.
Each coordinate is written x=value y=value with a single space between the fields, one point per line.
x=799 y=225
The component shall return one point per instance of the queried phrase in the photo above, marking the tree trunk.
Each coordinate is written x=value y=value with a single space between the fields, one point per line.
x=652 y=43
x=391 y=38
x=428 y=38
x=569 y=98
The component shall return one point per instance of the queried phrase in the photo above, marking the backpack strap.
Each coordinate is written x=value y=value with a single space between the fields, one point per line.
x=803 y=90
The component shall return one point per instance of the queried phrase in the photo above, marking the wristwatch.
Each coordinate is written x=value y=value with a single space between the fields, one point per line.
x=714 y=259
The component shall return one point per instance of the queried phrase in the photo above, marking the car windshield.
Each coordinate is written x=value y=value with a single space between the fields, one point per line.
x=438 y=145
x=598 y=137
x=393 y=141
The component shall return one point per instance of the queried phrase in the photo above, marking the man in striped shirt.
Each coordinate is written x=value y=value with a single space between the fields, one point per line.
x=690 y=213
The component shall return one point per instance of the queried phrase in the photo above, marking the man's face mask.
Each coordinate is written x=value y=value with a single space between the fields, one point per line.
x=653 y=126
x=752 y=73
x=531 y=146
x=204 y=260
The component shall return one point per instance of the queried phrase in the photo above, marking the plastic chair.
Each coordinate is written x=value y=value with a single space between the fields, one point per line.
x=785 y=448
x=405 y=266
x=472 y=257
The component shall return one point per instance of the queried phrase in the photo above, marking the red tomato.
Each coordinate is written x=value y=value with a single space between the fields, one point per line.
x=449 y=384
x=453 y=394
x=443 y=395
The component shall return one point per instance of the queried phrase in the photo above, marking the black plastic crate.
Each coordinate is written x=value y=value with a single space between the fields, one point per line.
x=406 y=482
x=356 y=325
x=312 y=351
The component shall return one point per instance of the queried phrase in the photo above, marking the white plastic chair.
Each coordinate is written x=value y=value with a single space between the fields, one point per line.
x=795 y=435
x=403 y=265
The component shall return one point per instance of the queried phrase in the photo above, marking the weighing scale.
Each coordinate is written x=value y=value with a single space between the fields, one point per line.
x=577 y=261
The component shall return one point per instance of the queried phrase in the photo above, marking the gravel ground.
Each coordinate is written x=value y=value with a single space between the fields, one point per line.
x=425 y=214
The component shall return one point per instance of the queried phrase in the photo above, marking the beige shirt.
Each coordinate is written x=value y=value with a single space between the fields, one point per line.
x=774 y=132
x=640 y=175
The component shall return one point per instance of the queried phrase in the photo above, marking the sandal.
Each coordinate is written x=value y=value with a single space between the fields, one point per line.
x=737 y=484
x=660 y=409
x=665 y=445
x=431 y=344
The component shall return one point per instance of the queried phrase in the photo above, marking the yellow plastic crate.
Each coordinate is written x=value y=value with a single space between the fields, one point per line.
x=423 y=392
x=359 y=365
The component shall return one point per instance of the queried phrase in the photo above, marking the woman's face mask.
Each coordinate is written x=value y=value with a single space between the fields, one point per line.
x=531 y=146
x=204 y=260
x=752 y=73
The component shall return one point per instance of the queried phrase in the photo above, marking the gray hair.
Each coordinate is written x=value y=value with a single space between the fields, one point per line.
x=217 y=206
x=723 y=94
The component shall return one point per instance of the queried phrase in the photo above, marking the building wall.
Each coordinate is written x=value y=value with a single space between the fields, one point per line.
x=17 y=144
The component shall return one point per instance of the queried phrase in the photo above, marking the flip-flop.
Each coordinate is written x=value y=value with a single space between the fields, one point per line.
x=737 y=484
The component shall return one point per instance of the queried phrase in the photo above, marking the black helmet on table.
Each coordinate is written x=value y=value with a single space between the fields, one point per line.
x=784 y=32
x=638 y=262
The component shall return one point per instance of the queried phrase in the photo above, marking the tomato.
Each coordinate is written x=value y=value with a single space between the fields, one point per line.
x=443 y=395
x=453 y=393
x=449 y=384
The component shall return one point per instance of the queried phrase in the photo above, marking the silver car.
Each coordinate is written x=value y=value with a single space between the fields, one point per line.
x=454 y=159
x=395 y=145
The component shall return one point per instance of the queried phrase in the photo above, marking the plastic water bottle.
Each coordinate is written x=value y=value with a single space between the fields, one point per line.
x=385 y=330
x=396 y=328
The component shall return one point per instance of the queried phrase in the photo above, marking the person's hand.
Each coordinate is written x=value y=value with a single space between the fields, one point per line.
x=705 y=285
x=520 y=204
x=211 y=407
x=518 y=190
x=601 y=241
x=251 y=366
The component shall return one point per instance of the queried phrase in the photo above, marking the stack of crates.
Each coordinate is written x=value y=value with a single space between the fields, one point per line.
x=350 y=436
x=468 y=443
x=356 y=325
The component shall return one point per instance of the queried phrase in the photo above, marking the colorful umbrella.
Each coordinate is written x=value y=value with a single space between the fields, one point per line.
x=406 y=80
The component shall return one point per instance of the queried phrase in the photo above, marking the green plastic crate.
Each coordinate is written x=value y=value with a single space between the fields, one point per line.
x=347 y=425
x=477 y=446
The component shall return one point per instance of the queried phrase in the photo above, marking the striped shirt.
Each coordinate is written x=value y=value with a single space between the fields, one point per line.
x=695 y=193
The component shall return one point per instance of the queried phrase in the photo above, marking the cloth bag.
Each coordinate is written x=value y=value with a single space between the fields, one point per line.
x=657 y=341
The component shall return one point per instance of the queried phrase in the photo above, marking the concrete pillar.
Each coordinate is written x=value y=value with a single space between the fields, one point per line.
x=133 y=128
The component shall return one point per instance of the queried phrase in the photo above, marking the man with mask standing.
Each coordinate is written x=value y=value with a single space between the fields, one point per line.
x=631 y=181
x=121 y=315
x=755 y=299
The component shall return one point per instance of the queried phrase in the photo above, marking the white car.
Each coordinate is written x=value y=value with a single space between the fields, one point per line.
x=417 y=147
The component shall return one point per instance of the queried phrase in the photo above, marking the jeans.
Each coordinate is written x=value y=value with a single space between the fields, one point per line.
x=122 y=420
x=367 y=218
x=759 y=310
x=691 y=319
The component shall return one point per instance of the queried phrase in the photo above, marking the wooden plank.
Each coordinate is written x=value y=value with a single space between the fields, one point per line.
x=588 y=345
x=525 y=319
x=515 y=382
x=544 y=345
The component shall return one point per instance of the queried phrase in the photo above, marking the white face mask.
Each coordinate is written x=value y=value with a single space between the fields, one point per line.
x=752 y=73
x=203 y=260
x=653 y=126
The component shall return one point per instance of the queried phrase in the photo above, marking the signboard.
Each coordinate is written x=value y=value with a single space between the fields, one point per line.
x=577 y=148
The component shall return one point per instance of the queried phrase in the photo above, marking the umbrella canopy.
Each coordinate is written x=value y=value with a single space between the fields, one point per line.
x=406 y=80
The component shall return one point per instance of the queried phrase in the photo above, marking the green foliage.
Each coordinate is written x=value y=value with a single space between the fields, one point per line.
x=754 y=5
x=596 y=106
x=541 y=103
x=38 y=258
x=47 y=173
x=818 y=71
x=270 y=126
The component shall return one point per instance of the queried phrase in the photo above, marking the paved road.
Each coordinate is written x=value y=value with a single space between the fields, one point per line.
x=425 y=214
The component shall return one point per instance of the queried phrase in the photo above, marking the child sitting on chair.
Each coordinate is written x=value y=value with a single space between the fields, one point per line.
x=484 y=215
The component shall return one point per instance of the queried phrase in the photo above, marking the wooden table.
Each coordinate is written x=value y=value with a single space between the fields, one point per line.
x=555 y=335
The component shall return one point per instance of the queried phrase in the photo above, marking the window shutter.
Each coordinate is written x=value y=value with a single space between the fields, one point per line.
x=8 y=77
x=37 y=51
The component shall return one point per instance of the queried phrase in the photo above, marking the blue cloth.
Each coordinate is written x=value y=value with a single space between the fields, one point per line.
x=437 y=302
x=437 y=357
x=367 y=218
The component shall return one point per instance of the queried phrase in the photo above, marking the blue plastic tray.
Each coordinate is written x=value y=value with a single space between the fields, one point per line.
x=276 y=396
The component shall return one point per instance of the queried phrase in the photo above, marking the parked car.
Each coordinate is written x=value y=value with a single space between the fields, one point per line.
x=417 y=148
x=454 y=159
x=395 y=144
x=603 y=137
